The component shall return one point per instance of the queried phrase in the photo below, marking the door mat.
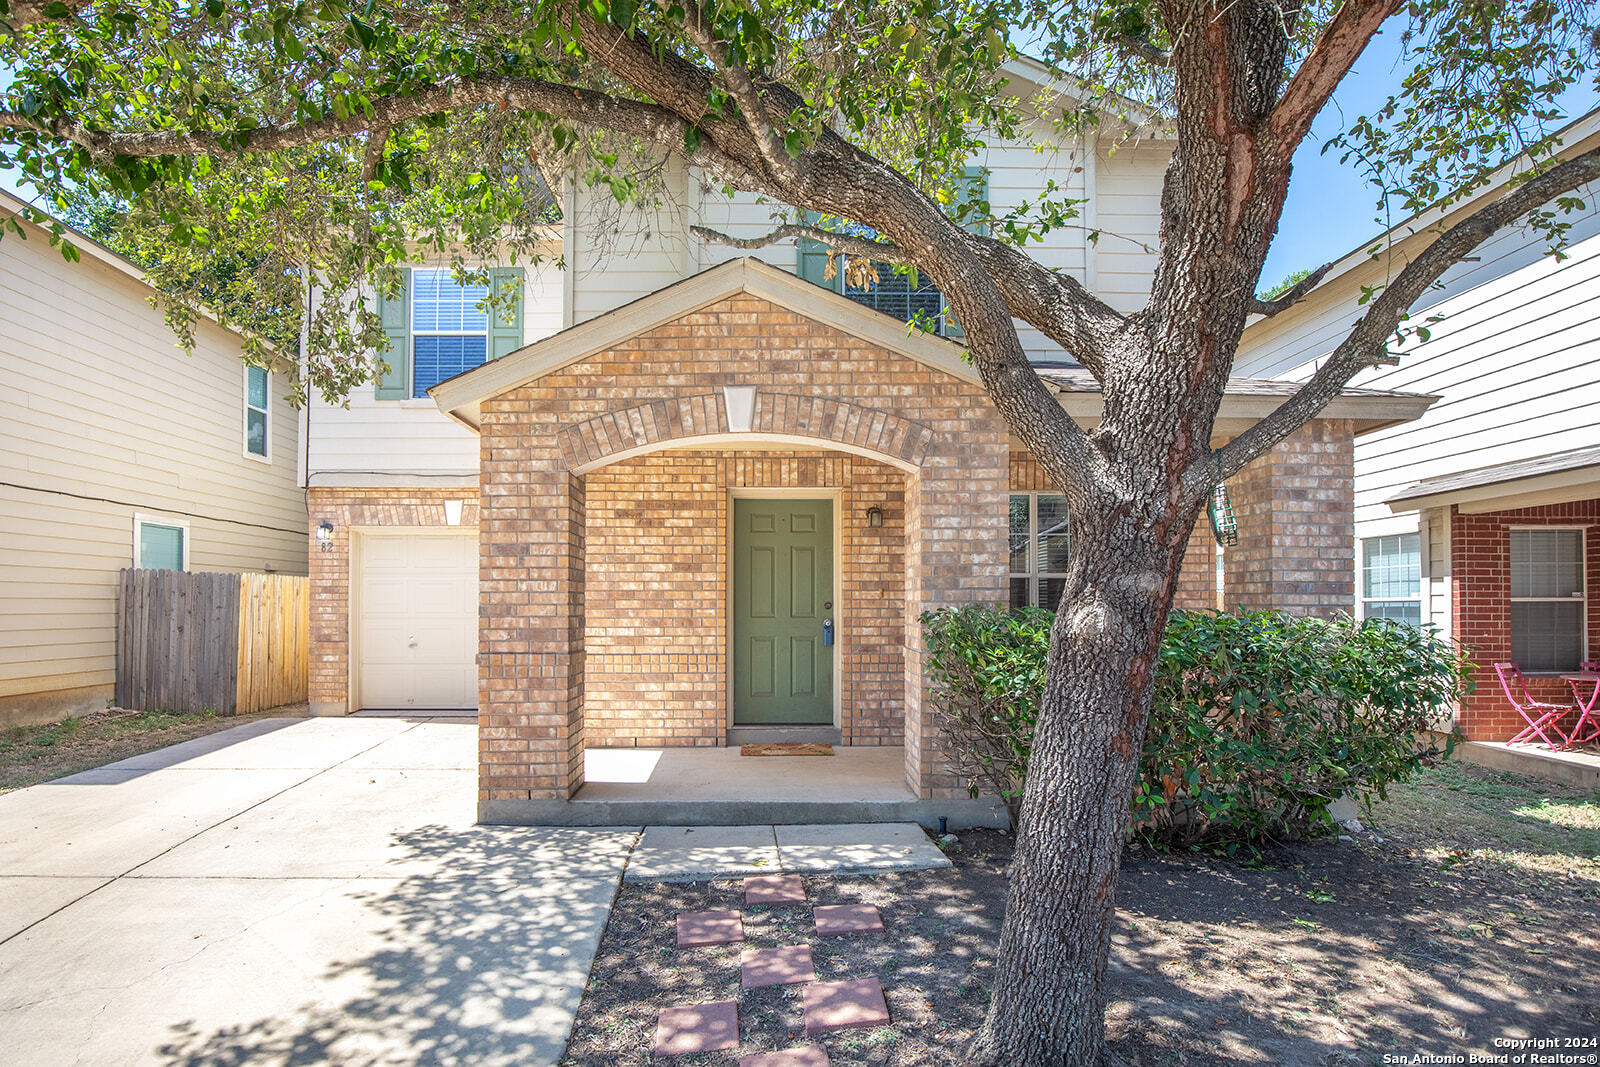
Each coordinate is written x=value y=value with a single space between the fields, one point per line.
x=788 y=748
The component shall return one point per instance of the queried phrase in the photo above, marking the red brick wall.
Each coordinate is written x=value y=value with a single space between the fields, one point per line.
x=656 y=634
x=1480 y=607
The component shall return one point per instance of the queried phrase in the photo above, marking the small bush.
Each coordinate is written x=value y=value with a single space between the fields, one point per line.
x=1259 y=721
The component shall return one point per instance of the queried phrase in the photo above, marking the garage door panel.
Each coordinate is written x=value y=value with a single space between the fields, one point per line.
x=418 y=621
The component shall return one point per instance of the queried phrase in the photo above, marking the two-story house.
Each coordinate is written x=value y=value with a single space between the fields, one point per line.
x=1479 y=518
x=119 y=450
x=687 y=498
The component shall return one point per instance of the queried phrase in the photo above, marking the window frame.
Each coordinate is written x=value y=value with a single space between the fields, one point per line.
x=141 y=520
x=266 y=416
x=1034 y=575
x=413 y=333
x=1362 y=599
x=1581 y=599
x=940 y=319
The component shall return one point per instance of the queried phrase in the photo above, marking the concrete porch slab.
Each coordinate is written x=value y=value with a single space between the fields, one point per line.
x=1574 y=767
x=699 y=853
x=719 y=787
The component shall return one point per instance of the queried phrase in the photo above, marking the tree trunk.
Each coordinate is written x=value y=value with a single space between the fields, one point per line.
x=1048 y=1001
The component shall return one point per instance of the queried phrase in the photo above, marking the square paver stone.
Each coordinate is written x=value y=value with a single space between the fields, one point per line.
x=774 y=889
x=804 y=1056
x=762 y=967
x=709 y=928
x=843 y=1005
x=698 y=1028
x=847 y=919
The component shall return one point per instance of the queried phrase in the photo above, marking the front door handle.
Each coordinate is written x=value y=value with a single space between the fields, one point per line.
x=827 y=632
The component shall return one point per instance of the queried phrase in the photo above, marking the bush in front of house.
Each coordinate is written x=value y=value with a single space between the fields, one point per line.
x=1259 y=720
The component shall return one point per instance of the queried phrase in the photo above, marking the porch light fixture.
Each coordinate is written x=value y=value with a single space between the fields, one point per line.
x=452 y=512
x=874 y=516
x=325 y=535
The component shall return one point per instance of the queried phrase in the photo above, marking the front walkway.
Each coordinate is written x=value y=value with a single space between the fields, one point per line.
x=293 y=890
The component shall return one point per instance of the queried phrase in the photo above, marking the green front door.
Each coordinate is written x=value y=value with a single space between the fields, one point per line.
x=782 y=596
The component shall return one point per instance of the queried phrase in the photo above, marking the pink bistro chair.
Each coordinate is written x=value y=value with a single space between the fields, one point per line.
x=1538 y=715
x=1587 y=728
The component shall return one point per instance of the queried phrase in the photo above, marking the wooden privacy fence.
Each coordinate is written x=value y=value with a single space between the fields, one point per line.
x=228 y=643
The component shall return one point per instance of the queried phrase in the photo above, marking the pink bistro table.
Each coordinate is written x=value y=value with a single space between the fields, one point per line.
x=1588 y=710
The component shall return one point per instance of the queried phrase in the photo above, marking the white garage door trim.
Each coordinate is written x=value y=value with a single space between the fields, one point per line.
x=418 y=631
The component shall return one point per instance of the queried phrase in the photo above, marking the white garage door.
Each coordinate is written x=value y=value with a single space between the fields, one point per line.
x=416 y=598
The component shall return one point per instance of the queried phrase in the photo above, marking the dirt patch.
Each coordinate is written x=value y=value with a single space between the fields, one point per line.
x=1322 y=953
x=33 y=754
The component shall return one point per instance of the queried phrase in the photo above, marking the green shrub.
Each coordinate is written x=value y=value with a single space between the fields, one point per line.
x=1259 y=721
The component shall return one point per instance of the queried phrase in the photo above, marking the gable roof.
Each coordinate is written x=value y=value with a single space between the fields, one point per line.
x=462 y=396
x=1571 y=475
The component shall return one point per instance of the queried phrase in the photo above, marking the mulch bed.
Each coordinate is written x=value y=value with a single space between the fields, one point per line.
x=1321 y=953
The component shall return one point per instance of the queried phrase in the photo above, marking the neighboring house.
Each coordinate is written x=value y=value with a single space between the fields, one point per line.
x=683 y=498
x=118 y=450
x=1482 y=518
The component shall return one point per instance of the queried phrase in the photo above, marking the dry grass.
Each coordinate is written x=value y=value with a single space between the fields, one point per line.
x=33 y=754
x=1460 y=813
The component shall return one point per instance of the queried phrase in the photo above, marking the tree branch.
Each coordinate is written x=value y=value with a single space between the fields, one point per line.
x=1341 y=43
x=1290 y=296
x=28 y=12
x=751 y=107
x=647 y=122
x=1366 y=345
x=1057 y=305
x=1141 y=48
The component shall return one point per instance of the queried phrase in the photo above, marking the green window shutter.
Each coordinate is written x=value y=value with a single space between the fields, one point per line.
x=505 y=326
x=974 y=188
x=812 y=262
x=395 y=313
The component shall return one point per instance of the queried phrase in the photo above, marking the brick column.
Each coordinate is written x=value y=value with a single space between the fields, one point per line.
x=957 y=516
x=530 y=631
x=1296 y=512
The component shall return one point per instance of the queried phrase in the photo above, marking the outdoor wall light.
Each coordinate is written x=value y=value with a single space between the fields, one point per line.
x=874 y=516
x=325 y=535
x=452 y=512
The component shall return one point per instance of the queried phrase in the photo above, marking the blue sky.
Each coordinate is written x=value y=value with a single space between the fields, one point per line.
x=1331 y=208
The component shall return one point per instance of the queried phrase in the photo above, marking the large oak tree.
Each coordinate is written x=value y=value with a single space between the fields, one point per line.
x=335 y=138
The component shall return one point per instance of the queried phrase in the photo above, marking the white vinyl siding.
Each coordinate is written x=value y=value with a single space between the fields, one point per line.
x=106 y=417
x=1040 y=546
x=1547 y=599
x=1391 y=578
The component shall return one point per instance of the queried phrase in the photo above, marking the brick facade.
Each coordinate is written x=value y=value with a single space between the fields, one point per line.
x=541 y=658
x=330 y=570
x=1480 y=607
x=656 y=605
x=1296 y=512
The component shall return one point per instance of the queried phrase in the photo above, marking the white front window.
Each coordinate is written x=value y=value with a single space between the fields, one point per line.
x=1391 y=578
x=449 y=331
x=1547 y=599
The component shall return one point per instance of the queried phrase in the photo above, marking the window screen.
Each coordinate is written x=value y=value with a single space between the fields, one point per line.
x=1547 y=599
x=1391 y=578
x=450 y=332
x=160 y=547
x=255 y=411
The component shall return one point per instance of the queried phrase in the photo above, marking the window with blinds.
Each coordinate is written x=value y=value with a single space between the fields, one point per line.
x=1391 y=578
x=1548 y=599
x=1041 y=545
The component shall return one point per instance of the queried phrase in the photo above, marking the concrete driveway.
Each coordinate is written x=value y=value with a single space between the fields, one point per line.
x=293 y=891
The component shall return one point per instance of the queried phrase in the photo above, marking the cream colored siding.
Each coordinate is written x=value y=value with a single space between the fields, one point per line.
x=1436 y=568
x=1127 y=214
x=620 y=254
x=106 y=417
x=412 y=437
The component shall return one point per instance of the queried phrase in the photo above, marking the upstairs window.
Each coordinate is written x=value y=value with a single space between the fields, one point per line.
x=1041 y=545
x=257 y=392
x=449 y=331
x=1391 y=578
x=1547 y=599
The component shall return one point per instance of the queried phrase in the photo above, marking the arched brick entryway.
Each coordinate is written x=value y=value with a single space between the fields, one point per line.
x=667 y=388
